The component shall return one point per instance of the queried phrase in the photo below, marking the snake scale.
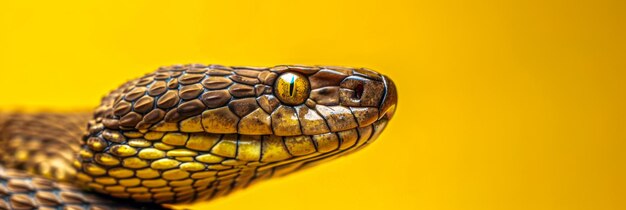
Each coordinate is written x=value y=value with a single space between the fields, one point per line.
x=188 y=133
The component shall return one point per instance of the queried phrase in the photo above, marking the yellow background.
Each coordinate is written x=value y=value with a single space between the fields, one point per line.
x=503 y=105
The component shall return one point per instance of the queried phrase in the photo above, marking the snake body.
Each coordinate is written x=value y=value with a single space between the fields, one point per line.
x=188 y=133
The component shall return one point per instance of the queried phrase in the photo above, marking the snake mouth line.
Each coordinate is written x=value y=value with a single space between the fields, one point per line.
x=366 y=135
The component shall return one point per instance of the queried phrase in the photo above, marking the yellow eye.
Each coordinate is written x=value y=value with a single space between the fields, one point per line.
x=292 y=88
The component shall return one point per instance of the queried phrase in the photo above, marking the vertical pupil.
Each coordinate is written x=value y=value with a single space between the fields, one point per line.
x=292 y=85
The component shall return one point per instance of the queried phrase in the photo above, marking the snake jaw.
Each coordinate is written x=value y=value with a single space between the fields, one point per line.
x=196 y=132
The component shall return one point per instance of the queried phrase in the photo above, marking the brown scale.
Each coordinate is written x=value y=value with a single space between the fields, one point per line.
x=196 y=132
x=24 y=191
x=24 y=135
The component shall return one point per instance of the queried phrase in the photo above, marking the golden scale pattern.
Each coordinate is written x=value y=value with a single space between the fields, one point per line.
x=193 y=132
x=22 y=137
x=23 y=191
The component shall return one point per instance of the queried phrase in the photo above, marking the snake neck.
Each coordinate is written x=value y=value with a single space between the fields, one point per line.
x=43 y=144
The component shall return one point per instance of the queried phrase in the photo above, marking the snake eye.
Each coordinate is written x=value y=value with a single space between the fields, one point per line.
x=292 y=88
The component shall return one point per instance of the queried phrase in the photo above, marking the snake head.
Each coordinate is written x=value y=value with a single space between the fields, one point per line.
x=195 y=132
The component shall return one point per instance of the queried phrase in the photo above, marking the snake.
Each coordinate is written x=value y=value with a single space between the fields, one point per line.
x=190 y=133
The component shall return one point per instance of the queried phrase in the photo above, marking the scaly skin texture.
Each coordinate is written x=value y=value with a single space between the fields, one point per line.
x=42 y=143
x=23 y=191
x=45 y=144
x=193 y=132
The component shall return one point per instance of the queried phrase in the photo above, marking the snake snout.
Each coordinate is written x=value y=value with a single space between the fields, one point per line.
x=390 y=99
x=368 y=89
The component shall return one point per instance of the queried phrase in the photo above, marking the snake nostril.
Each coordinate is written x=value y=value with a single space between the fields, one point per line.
x=358 y=91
